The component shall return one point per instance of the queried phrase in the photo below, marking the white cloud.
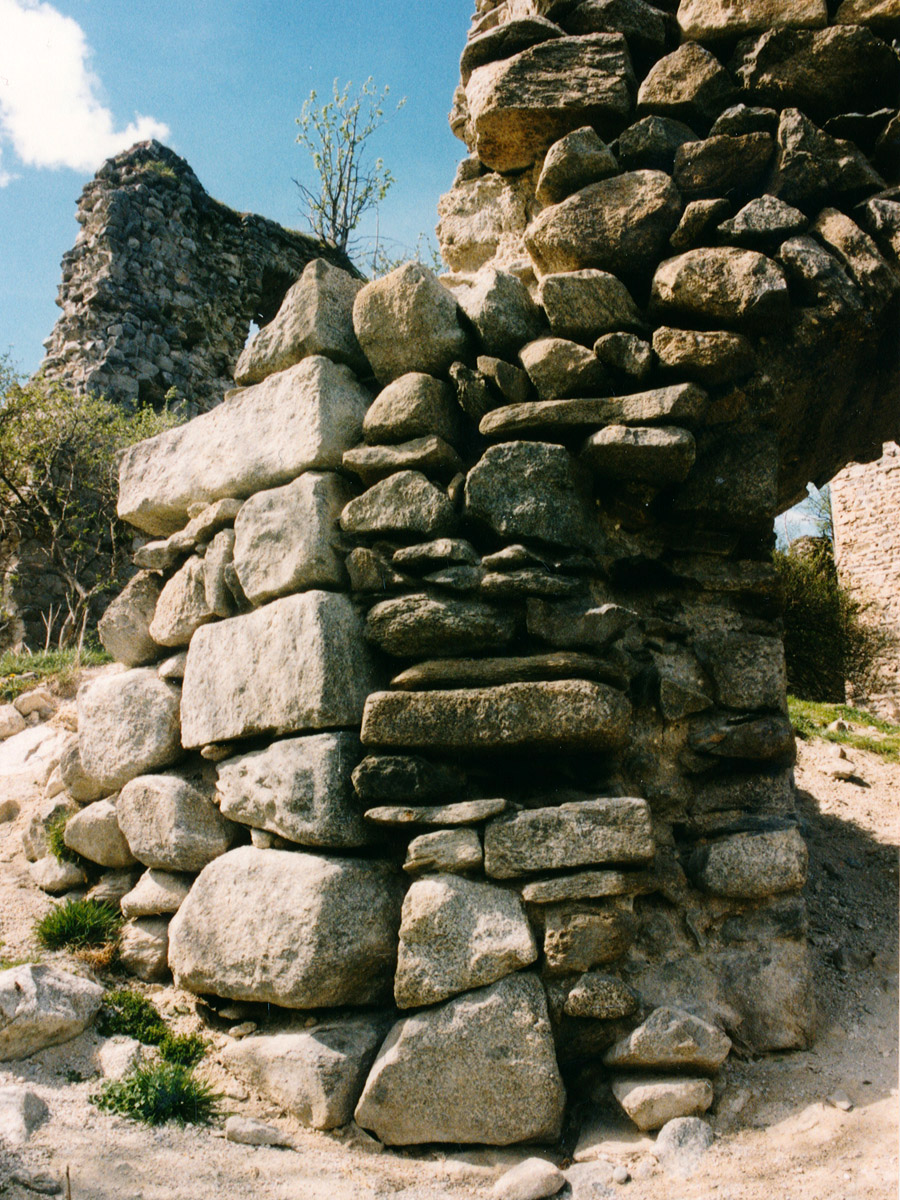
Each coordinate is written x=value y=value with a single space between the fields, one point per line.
x=51 y=114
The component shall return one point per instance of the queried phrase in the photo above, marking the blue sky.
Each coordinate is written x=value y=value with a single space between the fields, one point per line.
x=221 y=82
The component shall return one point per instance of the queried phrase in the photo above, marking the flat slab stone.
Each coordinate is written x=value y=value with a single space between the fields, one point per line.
x=317 y=1075
x=457 y=934
x=297 y=663
x=706 y=20
x=612 y=830
x=449 y=850
x=431 y=456
x=588 y=885
x=302 y=419
x=658 y=455
x=294 y=929
x=422 y=625
x=555 y=715
x=42 y=1006
x=475 y=672
x=680 y=402
x=478 y=1068
x=298 y=788
x=669 y=1039
x=465 y=812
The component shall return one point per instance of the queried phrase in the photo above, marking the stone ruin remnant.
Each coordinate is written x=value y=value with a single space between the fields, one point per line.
x=163 y=283
x=454 y=711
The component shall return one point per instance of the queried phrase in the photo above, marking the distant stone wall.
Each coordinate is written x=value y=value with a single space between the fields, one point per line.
x=865 y=501
x=163 y=283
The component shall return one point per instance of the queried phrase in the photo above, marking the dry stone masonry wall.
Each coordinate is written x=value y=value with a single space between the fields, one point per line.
x=454 y=702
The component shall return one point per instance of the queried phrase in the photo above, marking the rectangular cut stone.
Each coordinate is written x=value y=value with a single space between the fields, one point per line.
x=299 y=663
x=301 y=419
x=610 y=830
x=571 y=714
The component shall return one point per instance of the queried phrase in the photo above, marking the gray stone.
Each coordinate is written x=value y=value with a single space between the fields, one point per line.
x=818 y=279
x=478 y=1068
x=501 y=308
x=751 y=866
x=449 y=850
x=511 y=383
x=127 y=725
x=822 y=72
x=248 y=1131
x=406 y=777
x=588 y=885
x=218 y=557
x=681 y=1145
x=697 y=224
x=205 y=522
x=414 y=405
x=719 y=164
x=56 y=877
x=370 y=571
x=678 y=402
x=644 y=26
x=611 y=830
x=113 y=885
x=144 y=948
x=650 y=143
x=466 y=812
x=11 y=721
x=721 y=284
x=457 y=934
x=532 y=1179
x=442 y=552
x=763 y=224
x=406 y=503
x=124 y=629
x=759 y=738
x=473 y=394
x=42 y=1006
x=859 y=257
x=690 y=83
x=429 y=456
x=627 y=353
x=34 y=835
x=488 y=672
x=743 y=118
x=298 y=663
x=94 y=833
x=407 y=321
x=706 y=20
x=316 y=1076
x=601 y=997
x=620 y=225
x=288 y=539
x=170 y=824
x=579 y=937
x=315 y=317
x=504 y=41
x=709 y=357
x=288 y=928
x=158 y=555
x=748 y=669
x=421 y=625
x=669 y=1039
x=812 y=167
x=521 y=106
x=298 y=788
x=21 y=1112
x=558 y=368
x=556 y=715
x=154 y=893
x=651 y=1101
x=573 y=162
x=182 y=606
x=173 y=668
x=581 y=305
x=559 y=513
x=660 y=455
x=118 y=1056
x=302 y=419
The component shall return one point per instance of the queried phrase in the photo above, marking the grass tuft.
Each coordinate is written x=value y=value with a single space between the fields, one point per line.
x=55 y=832
x=20 y=672
x=183 y=1049
x=128 y=1012
x=78 y=925
x=159 y=1093
x=811 y=719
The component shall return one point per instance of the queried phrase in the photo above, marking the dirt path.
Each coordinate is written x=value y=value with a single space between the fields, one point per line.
x=815 y=1125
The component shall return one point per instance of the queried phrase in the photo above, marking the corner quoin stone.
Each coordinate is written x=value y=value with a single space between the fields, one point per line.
x=299 y=663
x=558 y=715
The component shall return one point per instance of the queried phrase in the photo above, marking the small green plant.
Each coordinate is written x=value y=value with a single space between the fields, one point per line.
x=156 y=167
x=78 y=925
x=128 y=1012
x=811 y=720
x=183 y=1049
x=159 y=1093
x=55 y=833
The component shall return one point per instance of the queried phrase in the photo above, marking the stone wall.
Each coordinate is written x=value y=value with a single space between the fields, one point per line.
x=455 y=702
x=163 y=282
x=865 y=503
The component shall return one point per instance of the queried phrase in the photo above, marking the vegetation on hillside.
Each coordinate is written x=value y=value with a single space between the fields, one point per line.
x=862 y=730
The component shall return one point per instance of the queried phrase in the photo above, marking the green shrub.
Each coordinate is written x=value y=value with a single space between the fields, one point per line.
x=78 y=924
x=128 y=1012
x=159 y=1093
x=183 y=1049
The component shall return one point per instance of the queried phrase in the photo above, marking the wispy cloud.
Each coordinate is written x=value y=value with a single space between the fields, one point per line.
x=51 y=114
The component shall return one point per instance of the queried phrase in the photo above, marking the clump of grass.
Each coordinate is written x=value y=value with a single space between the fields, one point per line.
x=811 y=719
x=128 y=1012
x=20 y=672
x=78 y=925
x=159 y=1093
x=55 y=832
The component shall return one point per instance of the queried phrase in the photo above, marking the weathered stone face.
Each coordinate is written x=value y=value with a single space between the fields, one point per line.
x=170 y=824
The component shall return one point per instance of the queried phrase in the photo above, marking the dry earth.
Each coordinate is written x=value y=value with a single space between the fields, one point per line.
x=816 y=1125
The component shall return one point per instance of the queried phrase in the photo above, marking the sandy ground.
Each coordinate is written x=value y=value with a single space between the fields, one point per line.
x=813 y=1125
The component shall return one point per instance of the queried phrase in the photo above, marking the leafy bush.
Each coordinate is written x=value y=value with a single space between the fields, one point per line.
x=128 y=1012
x=159 y=1093
x=78 y=924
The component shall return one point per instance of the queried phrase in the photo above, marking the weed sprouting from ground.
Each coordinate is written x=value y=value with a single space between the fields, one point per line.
x=77 y=925
x=128 y=1012
x=159 y=1093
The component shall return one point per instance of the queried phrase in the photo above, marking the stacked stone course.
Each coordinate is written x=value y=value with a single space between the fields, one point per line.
x=474 y=654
